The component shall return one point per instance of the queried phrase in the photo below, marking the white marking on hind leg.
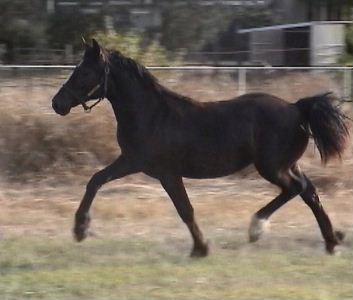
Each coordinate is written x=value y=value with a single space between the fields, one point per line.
x=257 y=228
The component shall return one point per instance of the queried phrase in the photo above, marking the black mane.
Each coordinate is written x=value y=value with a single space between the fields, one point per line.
x=144 y=76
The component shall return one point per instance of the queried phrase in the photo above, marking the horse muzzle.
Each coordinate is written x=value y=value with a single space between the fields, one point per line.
x=60 y=105
x=60 y=109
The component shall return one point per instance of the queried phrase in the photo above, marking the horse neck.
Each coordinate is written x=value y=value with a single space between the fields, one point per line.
x=131 y=99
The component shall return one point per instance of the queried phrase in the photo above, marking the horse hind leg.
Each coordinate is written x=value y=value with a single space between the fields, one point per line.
x=257 y=228
x=332 y=237
x=291 y=185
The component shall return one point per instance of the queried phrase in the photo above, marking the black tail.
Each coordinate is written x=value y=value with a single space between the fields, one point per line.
x=326 y=123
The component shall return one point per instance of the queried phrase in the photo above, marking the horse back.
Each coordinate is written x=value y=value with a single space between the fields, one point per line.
x=219 y=138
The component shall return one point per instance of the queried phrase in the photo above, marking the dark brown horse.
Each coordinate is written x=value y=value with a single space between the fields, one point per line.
x=168 y=136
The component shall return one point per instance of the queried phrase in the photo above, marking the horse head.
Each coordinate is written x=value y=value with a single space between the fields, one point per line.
x=88 y=81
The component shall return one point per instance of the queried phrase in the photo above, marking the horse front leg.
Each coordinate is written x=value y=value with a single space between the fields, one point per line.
x=119 y=168
x=175 y=188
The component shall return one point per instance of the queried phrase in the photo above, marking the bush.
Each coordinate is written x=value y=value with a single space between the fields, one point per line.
x=34 y=145
x=132 y=45
x=68 y=28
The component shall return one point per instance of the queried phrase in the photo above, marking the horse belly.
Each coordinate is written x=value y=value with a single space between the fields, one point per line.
x=211 y=165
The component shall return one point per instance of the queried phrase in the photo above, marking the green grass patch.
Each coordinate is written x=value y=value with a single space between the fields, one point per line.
x=35 y=268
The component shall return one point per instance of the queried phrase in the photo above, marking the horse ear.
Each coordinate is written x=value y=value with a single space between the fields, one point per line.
x=85 y=43
x=96 y=48
x=92 y=51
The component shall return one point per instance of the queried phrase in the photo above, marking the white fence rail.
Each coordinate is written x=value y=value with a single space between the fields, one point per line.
x=241 y=71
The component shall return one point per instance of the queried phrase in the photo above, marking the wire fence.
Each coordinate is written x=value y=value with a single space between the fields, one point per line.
x=40 y=82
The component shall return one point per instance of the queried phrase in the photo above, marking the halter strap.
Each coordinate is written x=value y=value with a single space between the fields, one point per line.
x=91 y=92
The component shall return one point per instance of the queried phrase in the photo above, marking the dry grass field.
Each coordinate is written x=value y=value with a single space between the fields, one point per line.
x=138 y=247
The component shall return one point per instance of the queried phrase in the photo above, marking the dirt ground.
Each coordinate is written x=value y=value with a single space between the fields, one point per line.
x=137 y=206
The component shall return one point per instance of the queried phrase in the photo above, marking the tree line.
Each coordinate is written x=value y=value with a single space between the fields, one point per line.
x=184 y=29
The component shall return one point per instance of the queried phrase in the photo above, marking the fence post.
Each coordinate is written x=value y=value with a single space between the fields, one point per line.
x=347 y=82
x=241 y=81
x=69 y=54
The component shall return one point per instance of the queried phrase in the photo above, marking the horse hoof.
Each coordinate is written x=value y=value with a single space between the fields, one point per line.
x=339 y=236
x=200 y=251
x=330 y=247
x=81 y=227
x=80 y=234
x=257 y=228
